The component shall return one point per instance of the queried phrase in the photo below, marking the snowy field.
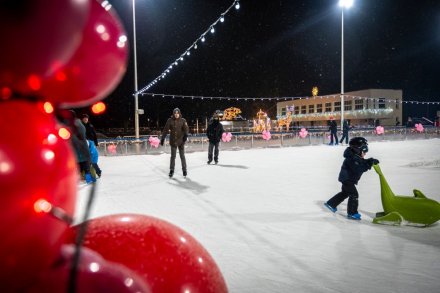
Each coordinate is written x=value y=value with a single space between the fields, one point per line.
x=260 y=215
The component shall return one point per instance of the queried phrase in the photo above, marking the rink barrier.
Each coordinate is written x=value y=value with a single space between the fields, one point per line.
x=242 y=141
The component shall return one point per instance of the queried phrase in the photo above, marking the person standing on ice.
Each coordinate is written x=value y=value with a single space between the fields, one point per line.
x=177 y=127
x=345 y=129
x=333 y=127
x=352 y=169
x=214 y=133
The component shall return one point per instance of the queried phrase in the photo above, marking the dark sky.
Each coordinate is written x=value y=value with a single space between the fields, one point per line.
x=276 y=48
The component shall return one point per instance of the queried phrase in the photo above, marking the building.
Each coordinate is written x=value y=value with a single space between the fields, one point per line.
x=365 y=107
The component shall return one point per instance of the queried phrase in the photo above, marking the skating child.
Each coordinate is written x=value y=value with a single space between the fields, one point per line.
x=352 y=169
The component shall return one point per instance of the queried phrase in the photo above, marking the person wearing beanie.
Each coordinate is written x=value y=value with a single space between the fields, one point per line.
x=214 y=133
x=333 y=127
x=177 y=128
x=90 y=130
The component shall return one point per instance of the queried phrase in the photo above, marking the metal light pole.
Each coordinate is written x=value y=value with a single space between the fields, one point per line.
x=343 y=4
x=136 y=101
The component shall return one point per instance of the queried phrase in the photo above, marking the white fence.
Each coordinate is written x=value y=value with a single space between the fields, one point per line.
x=196 y=143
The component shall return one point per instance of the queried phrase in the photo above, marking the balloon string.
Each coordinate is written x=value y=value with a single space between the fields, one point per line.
x=61 y=214
x=78 y=242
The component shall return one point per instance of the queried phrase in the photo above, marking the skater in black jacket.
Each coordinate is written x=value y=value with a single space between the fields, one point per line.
x=345 y=128
x=352 y=169
x=333 y=127
x=214 y=133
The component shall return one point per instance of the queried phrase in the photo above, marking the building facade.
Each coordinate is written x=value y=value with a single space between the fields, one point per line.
x=365 y=107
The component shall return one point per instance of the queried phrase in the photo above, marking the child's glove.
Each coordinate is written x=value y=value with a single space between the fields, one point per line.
x=162 y=140
x=373 y=161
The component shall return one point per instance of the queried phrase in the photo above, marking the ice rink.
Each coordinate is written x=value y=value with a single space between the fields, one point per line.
x=260 y=214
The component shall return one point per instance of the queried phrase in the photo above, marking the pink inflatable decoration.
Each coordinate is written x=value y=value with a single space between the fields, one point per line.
x=379 y=130
x=111 y=149
x=226 y=136
x=154 y=142
x=303 y=133
x=419 y=127
x=266 y=135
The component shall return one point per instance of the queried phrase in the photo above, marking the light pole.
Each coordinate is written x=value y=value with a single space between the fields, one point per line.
x=136 y=101
x=343 y=4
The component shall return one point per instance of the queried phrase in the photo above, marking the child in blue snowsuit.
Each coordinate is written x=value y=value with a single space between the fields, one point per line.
x=352 y=169
x=94 y=157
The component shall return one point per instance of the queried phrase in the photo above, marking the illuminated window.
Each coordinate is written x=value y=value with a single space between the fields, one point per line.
x=303 y=109
x=319 y=108
x=359 y=104
x=348 y=105
x=337 y=106
x=311 y=109
x=328 y=107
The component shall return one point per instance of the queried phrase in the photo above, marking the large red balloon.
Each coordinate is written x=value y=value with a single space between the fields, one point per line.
x=168 y=258
x=37 y=36
x=94 y=274
x=97 y=66
x=37 y=168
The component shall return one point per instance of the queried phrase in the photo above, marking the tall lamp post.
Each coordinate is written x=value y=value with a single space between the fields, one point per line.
x=136 y=101
x=343 y=4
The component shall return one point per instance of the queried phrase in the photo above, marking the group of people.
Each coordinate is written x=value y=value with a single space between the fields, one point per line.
x=333 y=127
x=177 y=127
x=353 y=166
x=84 y=141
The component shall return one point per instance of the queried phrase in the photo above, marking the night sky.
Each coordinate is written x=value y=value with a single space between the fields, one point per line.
x=275 y=48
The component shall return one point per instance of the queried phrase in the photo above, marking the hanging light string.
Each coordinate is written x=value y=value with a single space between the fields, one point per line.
x=201 y=39
x=289 y=98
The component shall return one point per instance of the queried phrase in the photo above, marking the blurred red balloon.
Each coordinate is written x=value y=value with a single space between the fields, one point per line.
x=37 y=172
x=37 y=37
x=94 y=274
x=96 y=67
x=168 y=258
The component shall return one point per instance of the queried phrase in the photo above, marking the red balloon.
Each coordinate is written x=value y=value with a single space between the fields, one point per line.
x=168 y=258
x=97 y=66
x=37 y=170
x=37 y=37
x=94 y=274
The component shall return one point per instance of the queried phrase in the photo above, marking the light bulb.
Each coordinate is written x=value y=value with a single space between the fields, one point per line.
x=222 y=19
x=237 y=6
x=203 y=39
x=212 y=30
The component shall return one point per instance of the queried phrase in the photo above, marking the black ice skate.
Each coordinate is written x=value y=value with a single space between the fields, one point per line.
x=171 y=173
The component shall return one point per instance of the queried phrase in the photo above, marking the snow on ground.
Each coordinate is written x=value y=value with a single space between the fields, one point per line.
x=260 y=214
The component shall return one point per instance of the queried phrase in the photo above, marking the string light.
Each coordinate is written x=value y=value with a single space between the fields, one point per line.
x=347 y=97
x=202 y=39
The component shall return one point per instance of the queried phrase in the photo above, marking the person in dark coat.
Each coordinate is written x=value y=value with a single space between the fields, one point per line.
x=345 y=129
x=214 y=133
x=90 y=130
x=333 y=127
x=353 y=167
x=177 y=127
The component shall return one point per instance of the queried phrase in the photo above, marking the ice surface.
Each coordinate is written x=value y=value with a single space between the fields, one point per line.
x=260 y=214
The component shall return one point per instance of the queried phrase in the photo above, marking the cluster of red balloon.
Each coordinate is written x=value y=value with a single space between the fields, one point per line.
x=73 y=53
